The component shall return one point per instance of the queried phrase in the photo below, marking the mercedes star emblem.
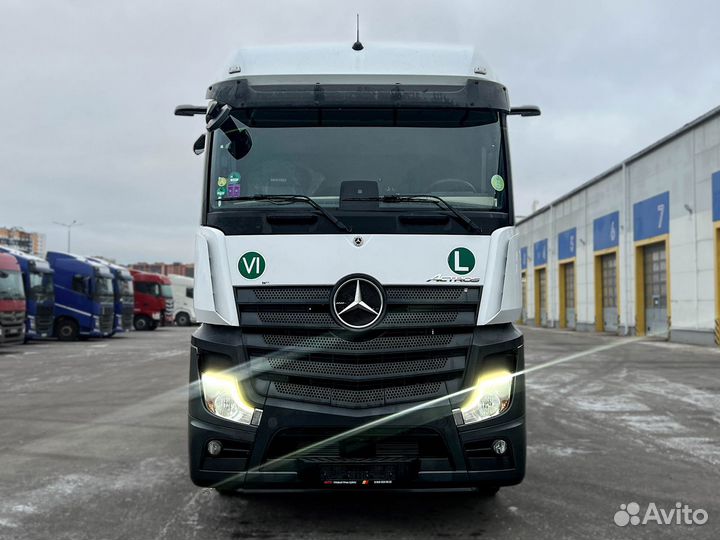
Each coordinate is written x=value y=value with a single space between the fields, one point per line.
x=358 y=302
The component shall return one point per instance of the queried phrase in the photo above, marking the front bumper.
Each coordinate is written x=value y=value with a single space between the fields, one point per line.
x=285 y=451
x=10 y=334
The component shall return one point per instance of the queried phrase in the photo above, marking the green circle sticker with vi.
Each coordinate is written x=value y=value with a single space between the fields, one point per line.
x=461 y=261
x=251 y=265
x=497 y=182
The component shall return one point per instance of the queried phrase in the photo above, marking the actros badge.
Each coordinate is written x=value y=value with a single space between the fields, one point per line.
x=358 y=302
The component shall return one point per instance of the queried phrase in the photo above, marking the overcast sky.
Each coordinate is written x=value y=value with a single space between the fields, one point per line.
x=87 y=91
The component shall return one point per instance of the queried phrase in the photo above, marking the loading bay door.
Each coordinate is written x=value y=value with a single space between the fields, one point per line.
x=540 y=297
x=608 y=293
x=655 y=289
x=524 y=314
x=567 y=295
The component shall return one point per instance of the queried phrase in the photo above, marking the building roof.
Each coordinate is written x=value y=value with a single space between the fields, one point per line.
x=645 y=151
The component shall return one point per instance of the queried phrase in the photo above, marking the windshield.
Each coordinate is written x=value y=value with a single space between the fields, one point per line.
x=11 y=286
x=125 y=287
x=41 y=286
x=453 y=154
x=104 y=288
x=166 y=291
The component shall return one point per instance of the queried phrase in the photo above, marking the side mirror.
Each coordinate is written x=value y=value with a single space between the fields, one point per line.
x=199 y=145
x=237 y=132
x=525 y=110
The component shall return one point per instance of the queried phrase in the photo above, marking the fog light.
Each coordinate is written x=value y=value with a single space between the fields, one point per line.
x=215 y=447
x=499 y=447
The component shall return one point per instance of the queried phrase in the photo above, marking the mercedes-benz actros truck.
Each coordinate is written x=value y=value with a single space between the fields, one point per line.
x=357 y=273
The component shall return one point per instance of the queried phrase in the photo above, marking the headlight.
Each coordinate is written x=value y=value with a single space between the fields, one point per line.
x=223 y=398
x=490 y=397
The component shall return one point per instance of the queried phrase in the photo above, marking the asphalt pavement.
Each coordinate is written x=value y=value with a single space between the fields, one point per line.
x=93 y=445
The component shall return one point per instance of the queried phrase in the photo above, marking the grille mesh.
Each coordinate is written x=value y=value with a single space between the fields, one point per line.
x=366 y=397
x=336 y=343
x=324 y=319
x=293 y=294
x=304 y=318
x=425 y=293
x=312 y=367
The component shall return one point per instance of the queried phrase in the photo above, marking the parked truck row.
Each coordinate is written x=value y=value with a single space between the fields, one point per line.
x=70 y=297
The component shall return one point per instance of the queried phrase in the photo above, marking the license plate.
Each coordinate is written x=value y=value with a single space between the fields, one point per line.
x=354 y=474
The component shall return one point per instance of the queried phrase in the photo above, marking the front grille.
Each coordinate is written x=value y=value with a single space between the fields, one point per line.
x=126 y=317
x=12 y=318
x=371 y=445
x=107 y=319
x=298 y=352
x=347 y=397
x=43 y=319
x=331 y=342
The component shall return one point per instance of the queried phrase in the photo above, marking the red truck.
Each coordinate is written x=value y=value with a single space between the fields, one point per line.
x=12 y=301
x=153 y=300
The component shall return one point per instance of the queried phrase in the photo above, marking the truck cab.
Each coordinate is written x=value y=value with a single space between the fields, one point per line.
x=12 y=301
x=183 y=312
x=124 y=294
x=357 y=273
x=84 y=299
x=39 y=293
x=153 y=300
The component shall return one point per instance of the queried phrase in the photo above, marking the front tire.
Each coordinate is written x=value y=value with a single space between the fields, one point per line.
x=182 y=319
x=67 y=330
x=142 y=323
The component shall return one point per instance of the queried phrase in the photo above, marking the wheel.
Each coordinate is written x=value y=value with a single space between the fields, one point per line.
x=182 y=319
x=142 y=323
x=67 y=330
x=487 y=491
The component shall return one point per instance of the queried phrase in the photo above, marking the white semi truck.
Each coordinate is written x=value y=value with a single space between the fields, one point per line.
x=357 y=273
x=182 y=291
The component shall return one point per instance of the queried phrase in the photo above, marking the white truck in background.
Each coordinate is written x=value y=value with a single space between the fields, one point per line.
x=182 y=290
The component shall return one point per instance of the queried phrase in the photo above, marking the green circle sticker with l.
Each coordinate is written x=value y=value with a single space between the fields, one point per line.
x=497 y=182
x=461 y=261
x=251 y=265
x=234 y=177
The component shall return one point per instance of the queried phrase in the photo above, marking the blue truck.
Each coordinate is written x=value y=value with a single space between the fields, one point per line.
x=84 y=297
x=124 y=295
x=37 y=278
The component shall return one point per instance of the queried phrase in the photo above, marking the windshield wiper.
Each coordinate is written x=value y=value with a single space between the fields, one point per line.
x=439 y=201
x=282 y=199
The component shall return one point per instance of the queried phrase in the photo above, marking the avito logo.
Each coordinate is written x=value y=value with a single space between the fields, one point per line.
x=629 y=514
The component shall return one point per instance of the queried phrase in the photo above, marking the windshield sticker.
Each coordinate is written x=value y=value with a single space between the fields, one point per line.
x=221 y=191
x=234 y=177
x=233 y=191
x=497 y=182
x=461 y=261
x=222 y=181
x=251 y=265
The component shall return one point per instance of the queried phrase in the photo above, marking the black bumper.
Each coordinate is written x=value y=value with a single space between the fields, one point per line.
x=297 y=443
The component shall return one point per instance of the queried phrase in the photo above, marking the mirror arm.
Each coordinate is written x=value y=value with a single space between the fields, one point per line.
x=190 y=110
x=525 y=110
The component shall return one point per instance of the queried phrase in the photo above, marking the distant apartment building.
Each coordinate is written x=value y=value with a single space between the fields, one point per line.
x=178 y=268
x=17 y=238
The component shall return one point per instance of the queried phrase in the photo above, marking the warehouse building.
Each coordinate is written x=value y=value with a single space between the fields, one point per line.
x=635 y=250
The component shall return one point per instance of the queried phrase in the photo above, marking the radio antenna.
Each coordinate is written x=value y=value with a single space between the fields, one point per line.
x=357 y=46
